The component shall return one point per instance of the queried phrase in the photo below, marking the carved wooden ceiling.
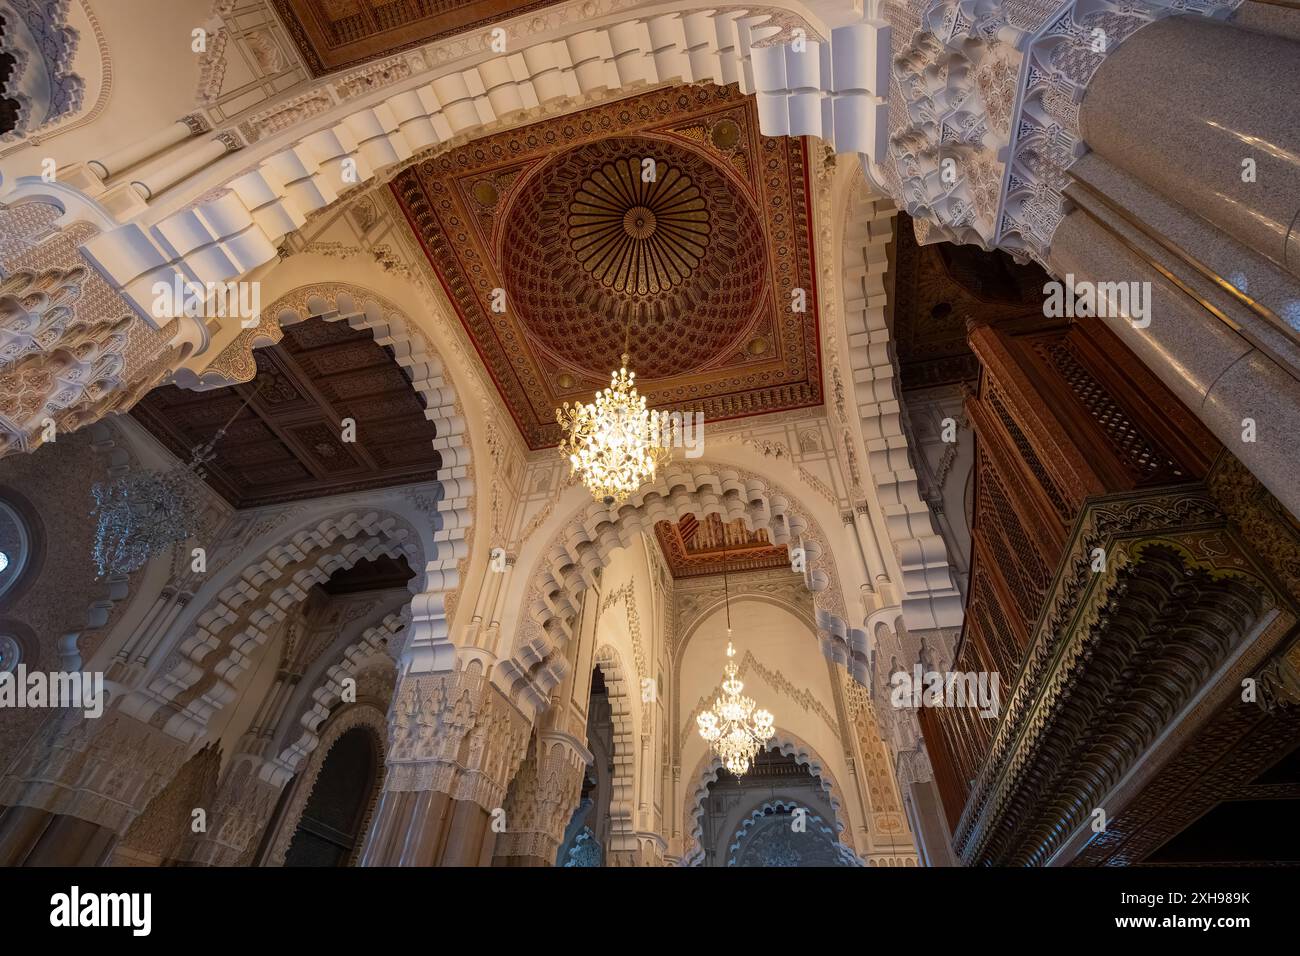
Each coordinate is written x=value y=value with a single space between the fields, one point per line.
x=937 y=288
x=702 y=260
x=333 y=34
x=287 y=444
x=693 y=547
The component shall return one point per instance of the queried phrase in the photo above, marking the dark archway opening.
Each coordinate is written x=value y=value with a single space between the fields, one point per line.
x=331 y=829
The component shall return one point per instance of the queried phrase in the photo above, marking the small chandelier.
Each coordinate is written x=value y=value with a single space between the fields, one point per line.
x=144 y=513
x=615 y=443
x=733 y=728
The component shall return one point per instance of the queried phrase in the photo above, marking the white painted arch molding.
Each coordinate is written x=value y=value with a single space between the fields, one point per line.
x=572 y=563
x=245 y=614
x=832 y=89
x=453 y=513
x=371 y=649
x=622 y=800
x=930 y=595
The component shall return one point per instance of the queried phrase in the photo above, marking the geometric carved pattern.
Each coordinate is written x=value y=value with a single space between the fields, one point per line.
x=1121 y=647
x=709 y=313
x=695 y=547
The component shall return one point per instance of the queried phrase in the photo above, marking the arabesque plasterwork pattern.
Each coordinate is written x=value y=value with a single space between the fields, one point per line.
x=958 y=68
x=454 y=733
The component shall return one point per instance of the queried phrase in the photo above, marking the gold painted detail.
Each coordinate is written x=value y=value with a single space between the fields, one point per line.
x=638 y=237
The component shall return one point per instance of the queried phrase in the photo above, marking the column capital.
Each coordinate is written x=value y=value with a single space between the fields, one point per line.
x=455 y=733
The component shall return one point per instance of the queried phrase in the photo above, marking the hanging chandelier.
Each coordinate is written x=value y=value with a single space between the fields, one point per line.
x=614 y=443
x=733 y=728
x=143 y=513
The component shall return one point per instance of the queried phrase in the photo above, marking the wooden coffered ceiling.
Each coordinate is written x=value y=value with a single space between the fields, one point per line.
x=333 y=34
x=702 y=260
x=694 y=547
x=287 y=443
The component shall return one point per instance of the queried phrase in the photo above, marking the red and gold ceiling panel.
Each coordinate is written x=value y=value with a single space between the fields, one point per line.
x=694 y=547
x=333 y=34
x=665 y=221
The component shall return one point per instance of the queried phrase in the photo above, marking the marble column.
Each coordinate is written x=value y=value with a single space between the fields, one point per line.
x=926 y=818
x=1211 y=95
x=32 y=837
x=1213 y=369
x=455 y=741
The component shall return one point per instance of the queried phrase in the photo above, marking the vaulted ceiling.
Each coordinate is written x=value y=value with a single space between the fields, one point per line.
x=333 y=34
x=665 y=219
x=287 y=443
x=694 y=547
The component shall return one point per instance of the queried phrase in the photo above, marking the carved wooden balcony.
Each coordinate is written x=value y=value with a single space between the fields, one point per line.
x=1126 y=575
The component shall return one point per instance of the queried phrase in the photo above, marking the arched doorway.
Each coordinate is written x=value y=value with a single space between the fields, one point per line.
x=332 y=825
x=587 y=835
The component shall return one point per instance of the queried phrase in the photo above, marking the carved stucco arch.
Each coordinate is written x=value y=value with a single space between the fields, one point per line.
x=453 y=519
x=251 y=204
x=244 y=614
x=930 y=597
x=706 y=773
x=362 y=714
x=374 y=649
x=569 y=565
x=815 y=819
x=622 y=797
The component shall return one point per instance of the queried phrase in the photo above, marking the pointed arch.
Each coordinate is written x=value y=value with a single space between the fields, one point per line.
x=570 y=565
x=199 y=676
x=706 y=773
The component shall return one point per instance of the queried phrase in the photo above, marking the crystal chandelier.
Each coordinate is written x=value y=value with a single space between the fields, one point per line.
x=733 y=728
x=143 y=513
x=615 y=443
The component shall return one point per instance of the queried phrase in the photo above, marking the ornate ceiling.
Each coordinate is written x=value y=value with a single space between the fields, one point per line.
x=668 y=211
x=287 y=443
x=694 y=548
x=937 y=289
x=333 y=34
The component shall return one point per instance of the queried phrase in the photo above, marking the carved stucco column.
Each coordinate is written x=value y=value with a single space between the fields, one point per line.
x=542 y=798
x=93 y=775
x=455 y=742
x=238 y=817
x=71 y=349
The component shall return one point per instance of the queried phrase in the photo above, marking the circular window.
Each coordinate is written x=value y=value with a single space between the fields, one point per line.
x=10 y=654
x=14 y=546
